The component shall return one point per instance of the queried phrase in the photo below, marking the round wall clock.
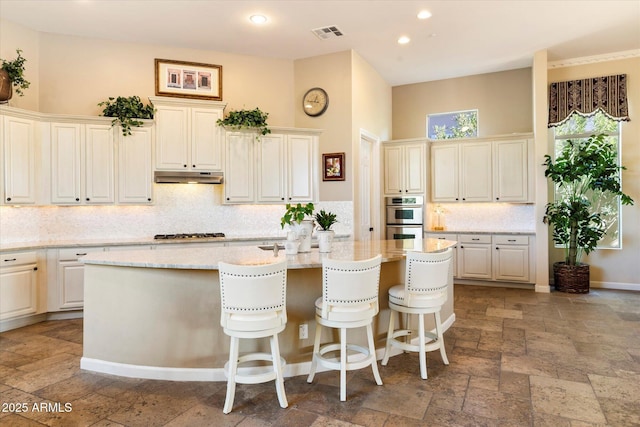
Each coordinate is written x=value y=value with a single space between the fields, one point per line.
x=315 y=102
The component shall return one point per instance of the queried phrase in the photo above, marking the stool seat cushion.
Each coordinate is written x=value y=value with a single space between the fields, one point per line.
x=397 y=296
x=253 y=321
x=346 y=313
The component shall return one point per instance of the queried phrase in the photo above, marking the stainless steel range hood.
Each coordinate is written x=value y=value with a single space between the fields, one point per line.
x=166 y=177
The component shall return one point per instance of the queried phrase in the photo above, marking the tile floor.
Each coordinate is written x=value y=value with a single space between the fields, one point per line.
x=518 y=358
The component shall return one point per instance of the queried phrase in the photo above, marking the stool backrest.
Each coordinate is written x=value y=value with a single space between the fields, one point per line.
x=427 y=277
x=249 y=293
x=350 y=284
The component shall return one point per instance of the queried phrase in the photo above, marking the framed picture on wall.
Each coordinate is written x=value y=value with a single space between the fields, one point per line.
x=333 y=167
x=188 y=79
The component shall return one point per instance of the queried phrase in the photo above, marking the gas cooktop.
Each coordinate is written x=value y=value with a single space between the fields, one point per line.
x=187 y=236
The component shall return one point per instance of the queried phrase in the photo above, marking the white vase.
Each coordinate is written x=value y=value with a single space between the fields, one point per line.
x=303 y=230
x=325 y=238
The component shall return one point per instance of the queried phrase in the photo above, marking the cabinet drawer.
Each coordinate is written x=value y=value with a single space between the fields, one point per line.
x=510 y=240
x=474 y=238
x=11 y=259
x=72 y=254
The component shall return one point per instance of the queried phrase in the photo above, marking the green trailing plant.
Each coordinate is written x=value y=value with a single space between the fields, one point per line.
x=127 y=112
x=246 y=119
x=15 y=70
x=296 y=213
x=585 y=171
x=325 y=219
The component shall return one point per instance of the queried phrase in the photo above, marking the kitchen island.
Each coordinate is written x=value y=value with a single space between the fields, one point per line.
x=156 y=313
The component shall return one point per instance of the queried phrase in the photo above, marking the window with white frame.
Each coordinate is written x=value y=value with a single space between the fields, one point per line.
x=456 y=124
x=578 y=127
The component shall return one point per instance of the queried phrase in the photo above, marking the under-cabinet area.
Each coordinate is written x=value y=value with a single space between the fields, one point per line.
x=492 y=257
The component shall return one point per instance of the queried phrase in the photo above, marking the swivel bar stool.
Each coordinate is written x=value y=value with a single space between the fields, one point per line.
x=427 y=277
x=349 y=300
x=253 y=299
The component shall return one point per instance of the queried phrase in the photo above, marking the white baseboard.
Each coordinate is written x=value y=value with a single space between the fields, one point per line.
x=615 y=285
x=203 y=374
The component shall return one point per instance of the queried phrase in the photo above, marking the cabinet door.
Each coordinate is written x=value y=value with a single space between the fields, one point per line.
x=511 y=262
x=99 y=164
x=135 y=174
x=414 y=170
x=66 y=163
x=474 y=261
x=206 y=146
x=510 y=175
x=300 y=168
x=393 y=170
x=18 y=291
x=70 y=285
x=19 y=151
x=172 y=144
x=475 y=172
x=451 y=237
x=444 y=172
x=271 y=171
x=239 y=167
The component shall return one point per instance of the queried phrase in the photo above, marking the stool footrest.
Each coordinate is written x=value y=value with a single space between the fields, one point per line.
x=434 y=344
x=254 y=374
x=334 y=362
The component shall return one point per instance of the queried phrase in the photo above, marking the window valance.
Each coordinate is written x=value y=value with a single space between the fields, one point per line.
x=608 y=94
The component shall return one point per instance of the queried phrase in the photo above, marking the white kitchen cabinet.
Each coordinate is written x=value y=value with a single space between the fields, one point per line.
x=19 y=159
x=82 y=163
x=69 y=292
x=284 y=168
x=135 y=166
x=474 y=256
x=511 y=171
x=239 y=167
x=452 y=237
x=481 y=171
x=18 y=284
x=404 y=168
x=511 y=258
x=187 y=135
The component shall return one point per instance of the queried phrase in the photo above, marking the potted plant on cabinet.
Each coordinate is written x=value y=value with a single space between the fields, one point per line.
x=584 y=172
x=12 y=75
x=127 y=112
x=297 y=217
x=325 y=234
x=246 y=119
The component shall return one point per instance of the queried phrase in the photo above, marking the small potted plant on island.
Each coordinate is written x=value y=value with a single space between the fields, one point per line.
x=585 y=173
x=325 y=235
x=299 y=218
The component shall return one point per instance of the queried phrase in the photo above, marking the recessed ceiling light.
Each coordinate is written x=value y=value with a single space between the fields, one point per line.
x=424 y=14
x=258 y=19
x=404 y=40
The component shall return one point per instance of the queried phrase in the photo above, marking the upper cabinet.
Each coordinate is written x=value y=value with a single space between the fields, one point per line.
x=280 y=167
x=82 y=163
x=18 y=164
x=404 y=168
x=187 y=136
x=481 y=171
x=135 y=166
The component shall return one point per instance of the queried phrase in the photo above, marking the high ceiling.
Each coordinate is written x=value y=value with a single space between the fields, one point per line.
x=461 y=38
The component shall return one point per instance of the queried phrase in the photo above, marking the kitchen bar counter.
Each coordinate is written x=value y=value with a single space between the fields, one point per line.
x=156 y=313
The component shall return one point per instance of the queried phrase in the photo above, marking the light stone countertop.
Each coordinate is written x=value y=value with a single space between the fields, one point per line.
x=208 y=258
x=460 y=231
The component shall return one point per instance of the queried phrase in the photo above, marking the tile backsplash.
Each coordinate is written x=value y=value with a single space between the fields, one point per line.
x=483 y=216
x=180 y=208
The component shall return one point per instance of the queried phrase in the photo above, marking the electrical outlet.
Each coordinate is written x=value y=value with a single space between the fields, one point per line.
x=303 y=331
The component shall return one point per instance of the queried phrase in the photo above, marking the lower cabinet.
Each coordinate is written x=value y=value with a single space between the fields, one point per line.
x=511 y=258
x=69 y=292
x=452 y=237
x=18 y=284
x=474 y=256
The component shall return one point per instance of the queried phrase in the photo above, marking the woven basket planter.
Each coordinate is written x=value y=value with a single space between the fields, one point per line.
x=572 y=279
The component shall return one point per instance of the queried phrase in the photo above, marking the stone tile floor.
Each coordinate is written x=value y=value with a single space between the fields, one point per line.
x=517 y=358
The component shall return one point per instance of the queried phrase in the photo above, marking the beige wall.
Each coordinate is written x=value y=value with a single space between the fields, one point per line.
x=616 y=266
x=503 y=101
x=12 y=37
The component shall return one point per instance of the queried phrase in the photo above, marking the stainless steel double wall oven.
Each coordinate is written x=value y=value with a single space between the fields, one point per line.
x=404 y=217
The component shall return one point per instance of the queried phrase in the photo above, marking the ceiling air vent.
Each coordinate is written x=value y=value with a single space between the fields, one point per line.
x=325 y=33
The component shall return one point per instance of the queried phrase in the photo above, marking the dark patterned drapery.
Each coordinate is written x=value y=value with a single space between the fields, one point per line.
x=607 y=94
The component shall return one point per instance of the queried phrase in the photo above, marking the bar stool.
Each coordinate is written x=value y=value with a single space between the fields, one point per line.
x=253 y=299
x=427 y=277
x=349 y=300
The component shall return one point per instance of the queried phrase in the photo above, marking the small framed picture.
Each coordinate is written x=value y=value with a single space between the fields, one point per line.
x=333 y=167
x=188 y=79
